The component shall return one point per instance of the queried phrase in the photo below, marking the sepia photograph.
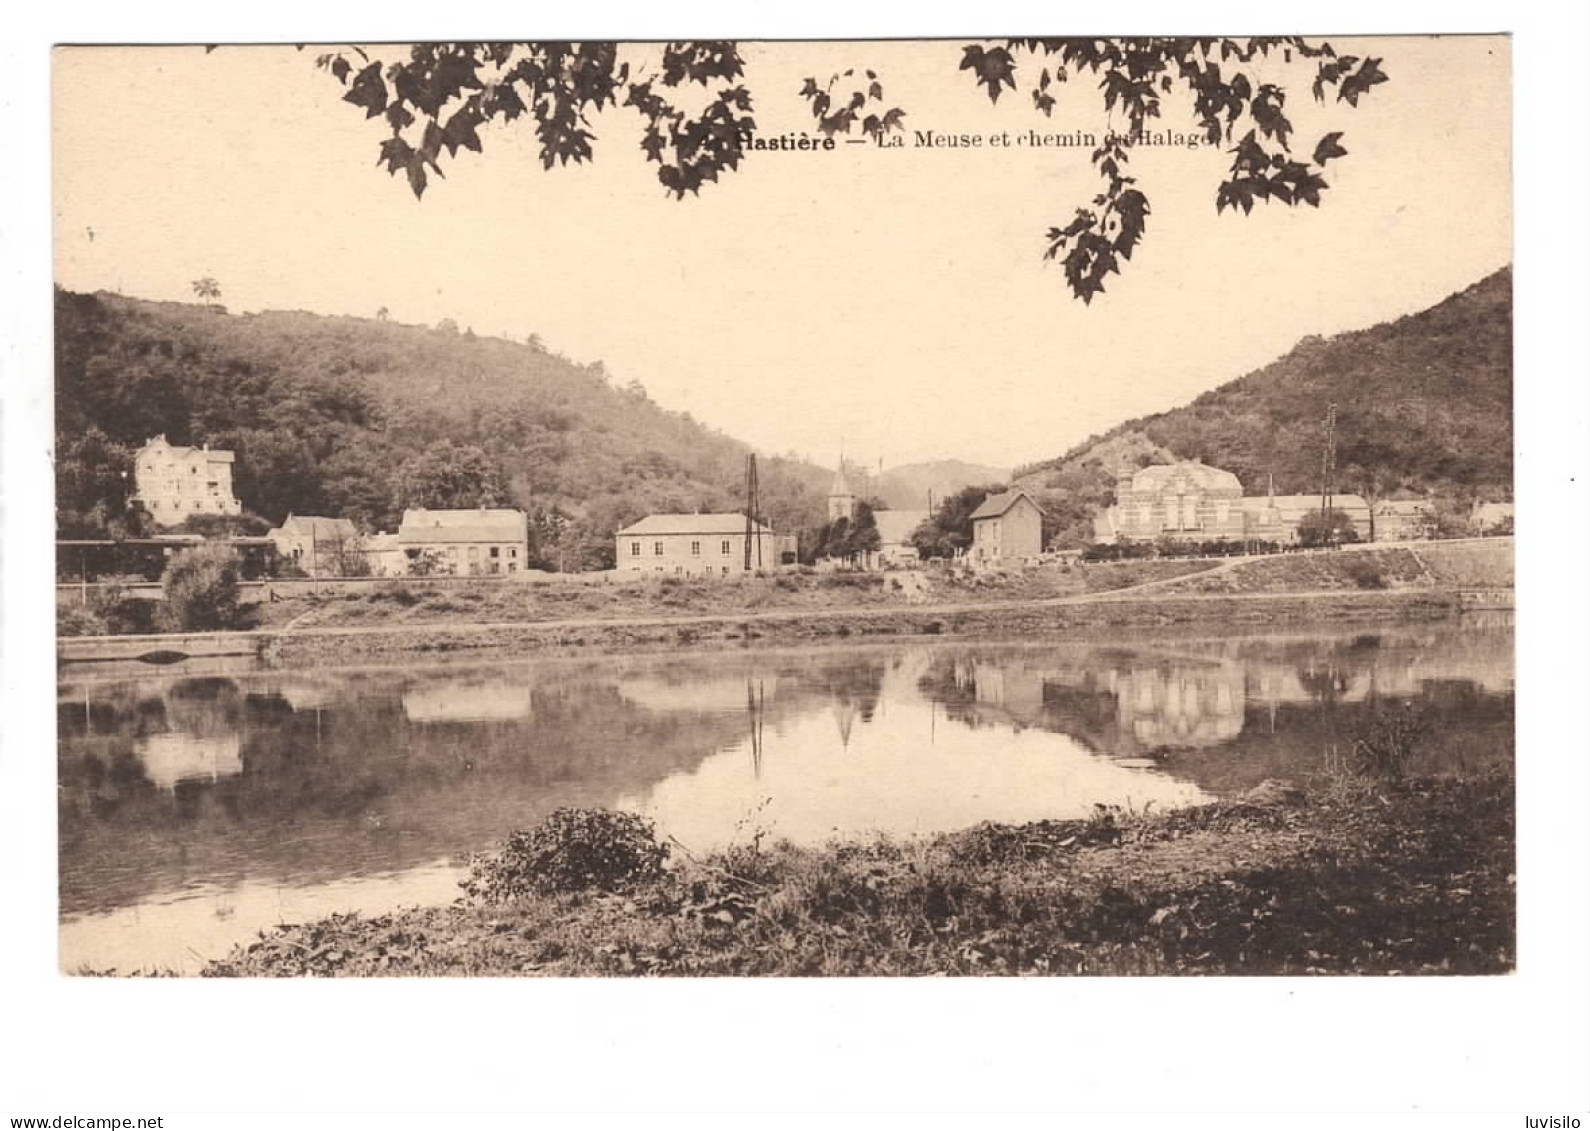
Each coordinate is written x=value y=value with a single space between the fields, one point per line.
x=1002 y=507
x=674 y=564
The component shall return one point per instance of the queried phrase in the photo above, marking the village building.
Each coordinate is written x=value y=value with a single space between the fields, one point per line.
x=488 y=540
x=1006 y=529
x=175 y=483
x=384 y=556
x=710 y=545
x=894 y=527
x=895 y=547
x=1404 y=520
x=1194 y=502
x=1277 y=518
x=1188 y=502
x=841 y=499
x=1491 y=518
x=320 y=547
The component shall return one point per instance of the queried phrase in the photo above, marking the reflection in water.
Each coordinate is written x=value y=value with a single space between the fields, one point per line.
x=195 y=811
x=175 y=757
x=898 y=775
x=1181 y=705
x=466 y=702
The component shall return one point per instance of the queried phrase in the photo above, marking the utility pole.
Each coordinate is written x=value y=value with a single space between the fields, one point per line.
x=753 y=503
x=1328 y=475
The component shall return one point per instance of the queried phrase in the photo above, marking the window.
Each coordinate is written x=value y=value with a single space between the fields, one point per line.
x=634 y=549
x=513 y=551
x=725 y=571
x=656 y=549
x=695 y=549
x=725 y=545
x=496 y=551
x=474 y=553
x=679 y=569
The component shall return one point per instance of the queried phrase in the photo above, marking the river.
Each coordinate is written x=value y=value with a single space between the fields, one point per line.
x=198 y=807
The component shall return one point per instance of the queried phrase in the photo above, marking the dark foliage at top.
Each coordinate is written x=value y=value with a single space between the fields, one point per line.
x=1423 y=403
x=439 y=98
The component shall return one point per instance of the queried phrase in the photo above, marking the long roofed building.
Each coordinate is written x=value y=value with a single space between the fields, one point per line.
x=701 y=544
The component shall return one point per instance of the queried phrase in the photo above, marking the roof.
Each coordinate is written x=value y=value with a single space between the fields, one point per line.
x=1157 y=476
x=1412 y=507
x=996 y=505
x=485 y=524
x=690 y=524
x=213 y=455
x=1294 y=507
x=320 y=529
x=897 y=526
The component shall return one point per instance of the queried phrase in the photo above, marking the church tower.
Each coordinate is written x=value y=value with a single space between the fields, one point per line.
x=841 y=499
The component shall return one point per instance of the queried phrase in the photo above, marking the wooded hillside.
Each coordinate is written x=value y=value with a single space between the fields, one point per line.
x=1423 y=403
x=360 y=417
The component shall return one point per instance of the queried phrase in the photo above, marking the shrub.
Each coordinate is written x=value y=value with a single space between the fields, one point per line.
x=395 y=591
x=572 y=850
x=1387 y=741
x=132 y=616
x=1365 y=574
x=201 y=587
x=75 y=620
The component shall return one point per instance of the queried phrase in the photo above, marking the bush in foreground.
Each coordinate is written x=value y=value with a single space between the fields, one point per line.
x=572 y=850
x=201 y=587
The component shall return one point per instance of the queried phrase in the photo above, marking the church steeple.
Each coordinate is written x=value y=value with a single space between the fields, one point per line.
x=841 y=499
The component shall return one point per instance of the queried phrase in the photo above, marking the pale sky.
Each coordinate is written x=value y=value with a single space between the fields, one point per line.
x=895 y=298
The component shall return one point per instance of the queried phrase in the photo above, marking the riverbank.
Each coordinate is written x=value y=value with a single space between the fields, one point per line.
x=381 y=621
x=1353 y=876
x=325 y=646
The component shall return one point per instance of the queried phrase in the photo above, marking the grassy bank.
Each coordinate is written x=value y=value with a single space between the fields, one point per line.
x=621 y=596
x=788 y=627
x=1353 y=877
x=528 y=599
x=1475 y=564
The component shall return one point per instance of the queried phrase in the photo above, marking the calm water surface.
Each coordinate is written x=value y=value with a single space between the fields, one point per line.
x=199 y=807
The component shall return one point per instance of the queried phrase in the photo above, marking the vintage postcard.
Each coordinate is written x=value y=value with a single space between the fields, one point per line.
x=772 y=508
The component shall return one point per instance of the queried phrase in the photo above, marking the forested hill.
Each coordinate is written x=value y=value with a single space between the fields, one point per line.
x=909 y=486
x=361 y=417
x=1422 y=403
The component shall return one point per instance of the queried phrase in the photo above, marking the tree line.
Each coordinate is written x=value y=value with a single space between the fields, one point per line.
x=362 y=418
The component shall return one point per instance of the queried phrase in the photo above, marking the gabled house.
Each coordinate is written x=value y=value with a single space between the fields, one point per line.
x=175 y=482
x=1402 y=520
x=1006 y=529
x=487 y=540
x=321 y=547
